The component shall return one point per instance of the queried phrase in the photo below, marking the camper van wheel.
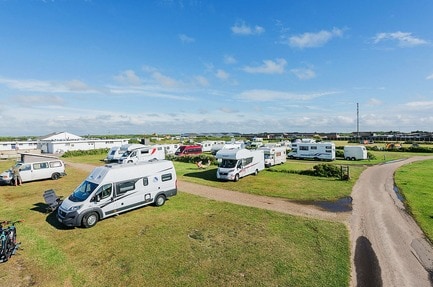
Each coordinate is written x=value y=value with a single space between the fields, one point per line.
x=256 y=172
x=55 y=176
x=90 y=219
x=236 y=177
x=353 y=158
x=160 y=200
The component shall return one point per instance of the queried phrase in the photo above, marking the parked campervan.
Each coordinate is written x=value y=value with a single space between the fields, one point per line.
x=352 y=152
x=274 y=155
x=30 y=171
x=116 y=188
x=144 y=153
x=313 y=150
x=237 y=163
x=171 y=148
x=188 y=150
x=227 y=145
x=114 y=154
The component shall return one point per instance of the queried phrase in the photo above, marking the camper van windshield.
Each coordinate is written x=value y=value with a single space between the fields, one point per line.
x=228 y=163
x=82 y=192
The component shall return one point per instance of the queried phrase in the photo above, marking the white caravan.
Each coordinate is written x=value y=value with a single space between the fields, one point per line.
x=116 y=188
x=30 y=171
x=206 y=146
x=274 y=155
x=144 y=153
x=352 y=152
x=237 y=163
x=316 y=151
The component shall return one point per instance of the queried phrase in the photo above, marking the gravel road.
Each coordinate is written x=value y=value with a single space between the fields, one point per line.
x=387 y=246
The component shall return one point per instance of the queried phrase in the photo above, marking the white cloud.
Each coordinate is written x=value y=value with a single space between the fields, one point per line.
x=429 y=77
x=241 y=28
x=128 y=77
x=303 y=73
x=186 y=39
x=311 y=40
x=221 y=74
x=229 y=60
x=202 y=81
x=270 y=95
x=404 y=39
x=420 y=105
x=374 y=102
x=268 y=67
x=73 y=86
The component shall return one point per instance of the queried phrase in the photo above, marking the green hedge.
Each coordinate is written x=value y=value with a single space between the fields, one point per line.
x=72 y=153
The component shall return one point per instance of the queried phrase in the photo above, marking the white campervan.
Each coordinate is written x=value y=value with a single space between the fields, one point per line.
x=274 y=155
x=116 y=188
x=114 y=154
x=144 y=153
x=237 y=163
x=352 y=152
x=30 y=171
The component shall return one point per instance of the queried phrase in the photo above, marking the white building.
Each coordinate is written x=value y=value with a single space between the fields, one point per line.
x=63 y=142
x=58 y=143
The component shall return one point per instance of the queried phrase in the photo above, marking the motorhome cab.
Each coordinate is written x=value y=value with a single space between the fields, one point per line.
x=30 y=171
x=188 y=150
x=237 y=163
x=144 y=153
x=116 y=188
x=274 y=155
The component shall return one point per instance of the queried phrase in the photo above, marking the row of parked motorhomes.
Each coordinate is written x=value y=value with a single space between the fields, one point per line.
x=139 y=175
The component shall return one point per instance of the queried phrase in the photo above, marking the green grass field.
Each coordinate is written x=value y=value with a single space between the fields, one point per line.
x=415 y=183
x=190 y=241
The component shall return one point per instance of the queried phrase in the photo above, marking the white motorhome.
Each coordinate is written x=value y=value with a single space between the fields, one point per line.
x=116 y=188
x=144 y=153
x=274 y=155
x=114 y=154
x=313 y=150
x=237 y=163
x=206 y=146
x=37 y=170
x=352 y=152
x=227 y=145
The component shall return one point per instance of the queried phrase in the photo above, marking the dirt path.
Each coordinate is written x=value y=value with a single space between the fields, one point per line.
x=387 y=246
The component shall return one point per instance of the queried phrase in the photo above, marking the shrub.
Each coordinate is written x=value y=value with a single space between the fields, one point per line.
x=204 y=158
x=73 y=153
x=324 y=170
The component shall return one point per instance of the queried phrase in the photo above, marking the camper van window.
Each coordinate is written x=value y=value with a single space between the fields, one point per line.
x=247 y=161
x=126 y=186
x=313 y=147
x=105 y=191
x=303 y=147
x=82 y=192
x=145 y=181
x=145 y=151
x=166 y=177
x=25 y=167
x=40 y=165
x=55 y=164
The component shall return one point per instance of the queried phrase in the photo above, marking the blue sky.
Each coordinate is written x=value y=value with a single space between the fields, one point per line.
x=161 y=66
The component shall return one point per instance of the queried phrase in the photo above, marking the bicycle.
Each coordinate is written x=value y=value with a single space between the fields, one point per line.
x=8 y=239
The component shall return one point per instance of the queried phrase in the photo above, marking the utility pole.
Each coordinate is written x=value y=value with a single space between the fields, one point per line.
x=357 y=121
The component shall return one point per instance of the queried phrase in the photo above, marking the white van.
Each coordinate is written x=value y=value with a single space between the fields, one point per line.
x=352 y=152
x=30 y=171
x=144 y=153
x=237 y=163
x=116 y=188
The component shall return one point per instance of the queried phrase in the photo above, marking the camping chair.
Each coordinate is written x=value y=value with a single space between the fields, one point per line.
x=52 y=200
